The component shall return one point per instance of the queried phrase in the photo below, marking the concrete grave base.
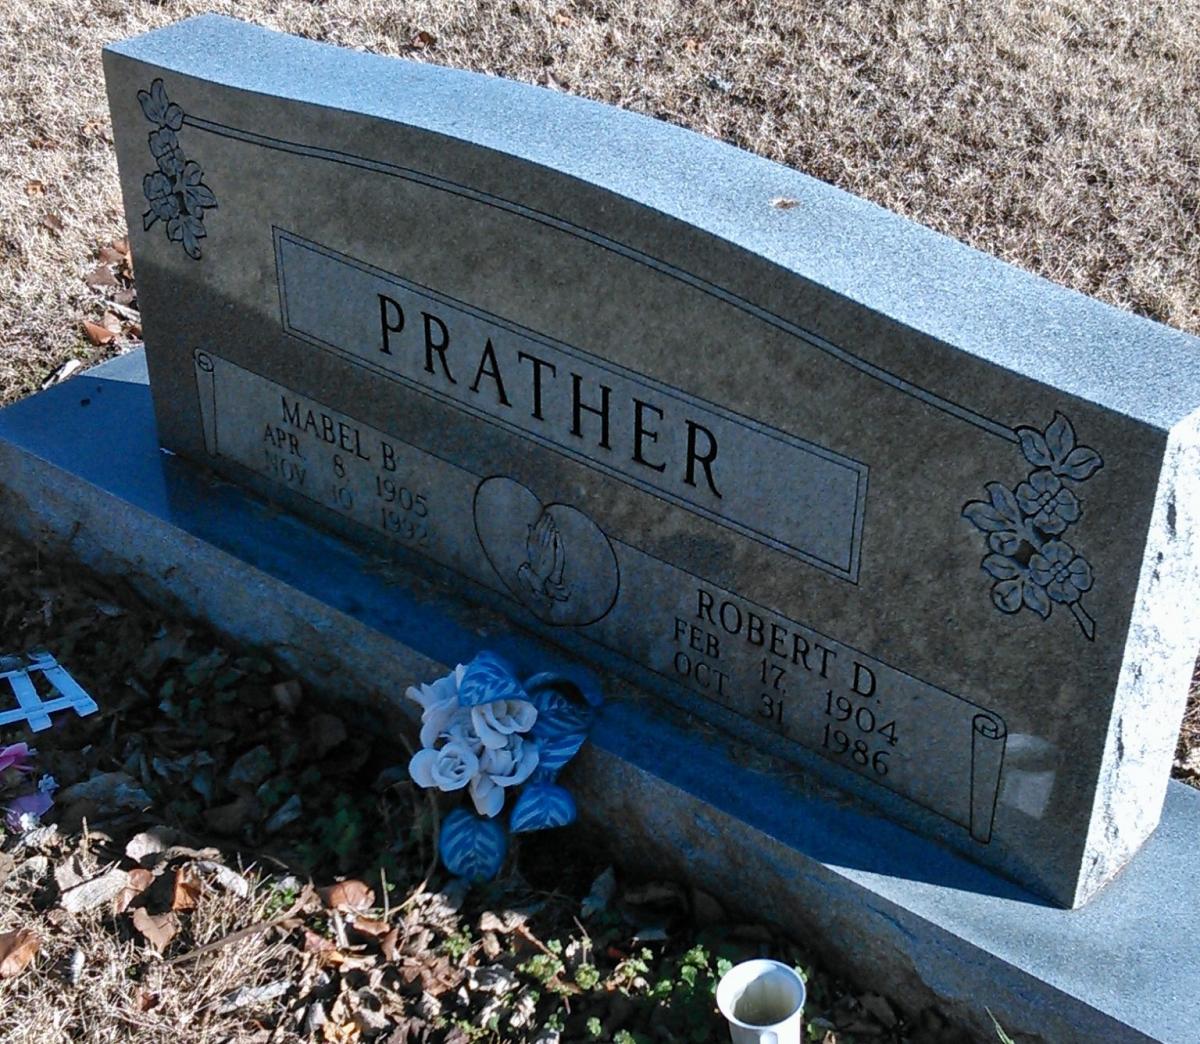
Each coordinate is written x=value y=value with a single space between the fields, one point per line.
x=81 y=474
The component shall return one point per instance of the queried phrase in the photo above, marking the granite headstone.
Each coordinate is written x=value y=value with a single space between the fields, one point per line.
x=869 y=499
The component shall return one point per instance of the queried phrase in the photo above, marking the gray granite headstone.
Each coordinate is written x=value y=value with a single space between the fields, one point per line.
x=871 y=500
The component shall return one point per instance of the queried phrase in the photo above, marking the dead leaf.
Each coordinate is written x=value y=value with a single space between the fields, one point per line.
x=33 y=187
x=157 y=929
x=389 y=945
x=97 y=334
x=149 y=842
x=100 y=276
x=17 y=949
x=52 y=223
x=422 y=38
x=784 y=203
x=315 y=943
x=228 y=879
x=563 y=18
x=95 y=892
x=70 y=873
x=139 y=880
x=370 y=927
x=345 y=1033
x=111 y=321
x=187 y=888
x=112 y=254
x=349 y=895
x=246 y=996
x=144 y=999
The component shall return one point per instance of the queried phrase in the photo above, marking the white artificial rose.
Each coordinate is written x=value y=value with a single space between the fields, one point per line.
x=443 y=722
x=488 y=798
x=438 y=693
x=512 y=764
x=450 y=767
x=495 y=722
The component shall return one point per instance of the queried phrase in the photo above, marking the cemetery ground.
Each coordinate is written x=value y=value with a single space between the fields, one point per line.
x=232 y=859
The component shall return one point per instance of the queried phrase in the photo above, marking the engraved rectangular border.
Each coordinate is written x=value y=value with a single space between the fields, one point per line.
x=860 y=470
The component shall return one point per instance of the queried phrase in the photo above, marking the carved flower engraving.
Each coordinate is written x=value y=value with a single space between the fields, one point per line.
x=1030 y=565
x=176 y=191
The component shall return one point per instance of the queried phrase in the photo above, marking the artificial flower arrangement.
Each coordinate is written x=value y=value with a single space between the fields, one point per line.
x=487 y=733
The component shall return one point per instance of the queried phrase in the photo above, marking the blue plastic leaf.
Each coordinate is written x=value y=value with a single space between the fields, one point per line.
x=488 y=678
x=569 y=683
x=542 y=806
x=472 y=847
x=564 y=719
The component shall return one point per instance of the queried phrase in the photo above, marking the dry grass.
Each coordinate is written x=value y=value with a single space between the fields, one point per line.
x=1063 y=136
x=125 y=992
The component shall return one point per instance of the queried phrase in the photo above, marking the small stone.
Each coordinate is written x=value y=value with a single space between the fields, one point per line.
x=251 y=768
x=287 y=813
x=326 y=732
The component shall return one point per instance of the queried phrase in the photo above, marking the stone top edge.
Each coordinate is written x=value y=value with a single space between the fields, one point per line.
x=922 y=279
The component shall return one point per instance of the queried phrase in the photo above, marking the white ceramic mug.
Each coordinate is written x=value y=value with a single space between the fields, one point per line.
x=763 y=1002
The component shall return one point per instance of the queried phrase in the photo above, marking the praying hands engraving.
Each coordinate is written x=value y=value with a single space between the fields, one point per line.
x=545 y=559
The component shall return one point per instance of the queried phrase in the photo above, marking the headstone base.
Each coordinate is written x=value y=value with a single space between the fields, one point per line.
x=81 y=474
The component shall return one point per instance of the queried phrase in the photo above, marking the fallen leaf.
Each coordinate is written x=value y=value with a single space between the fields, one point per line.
x=144 y=999
x=509 y=921
x=91 y=894
x=601 y=894
x=349 y=895
x=228 y=879
x=111 y=792
x=563 y=18
x=345 y=1033
x=185 y=893
x=389 y=945
x=33 y=187
x=422 y=38
x=149 y=842
x=17 y=949
x=784 y=203
x=70 y=873
x=111 y=321
x=97 y=334
x=314 y=942
x=139 y=880
x=112 y=254
x=52 y=223
x=244 y=996
x=100 y=276
x=370 y=927
x=157 y=929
